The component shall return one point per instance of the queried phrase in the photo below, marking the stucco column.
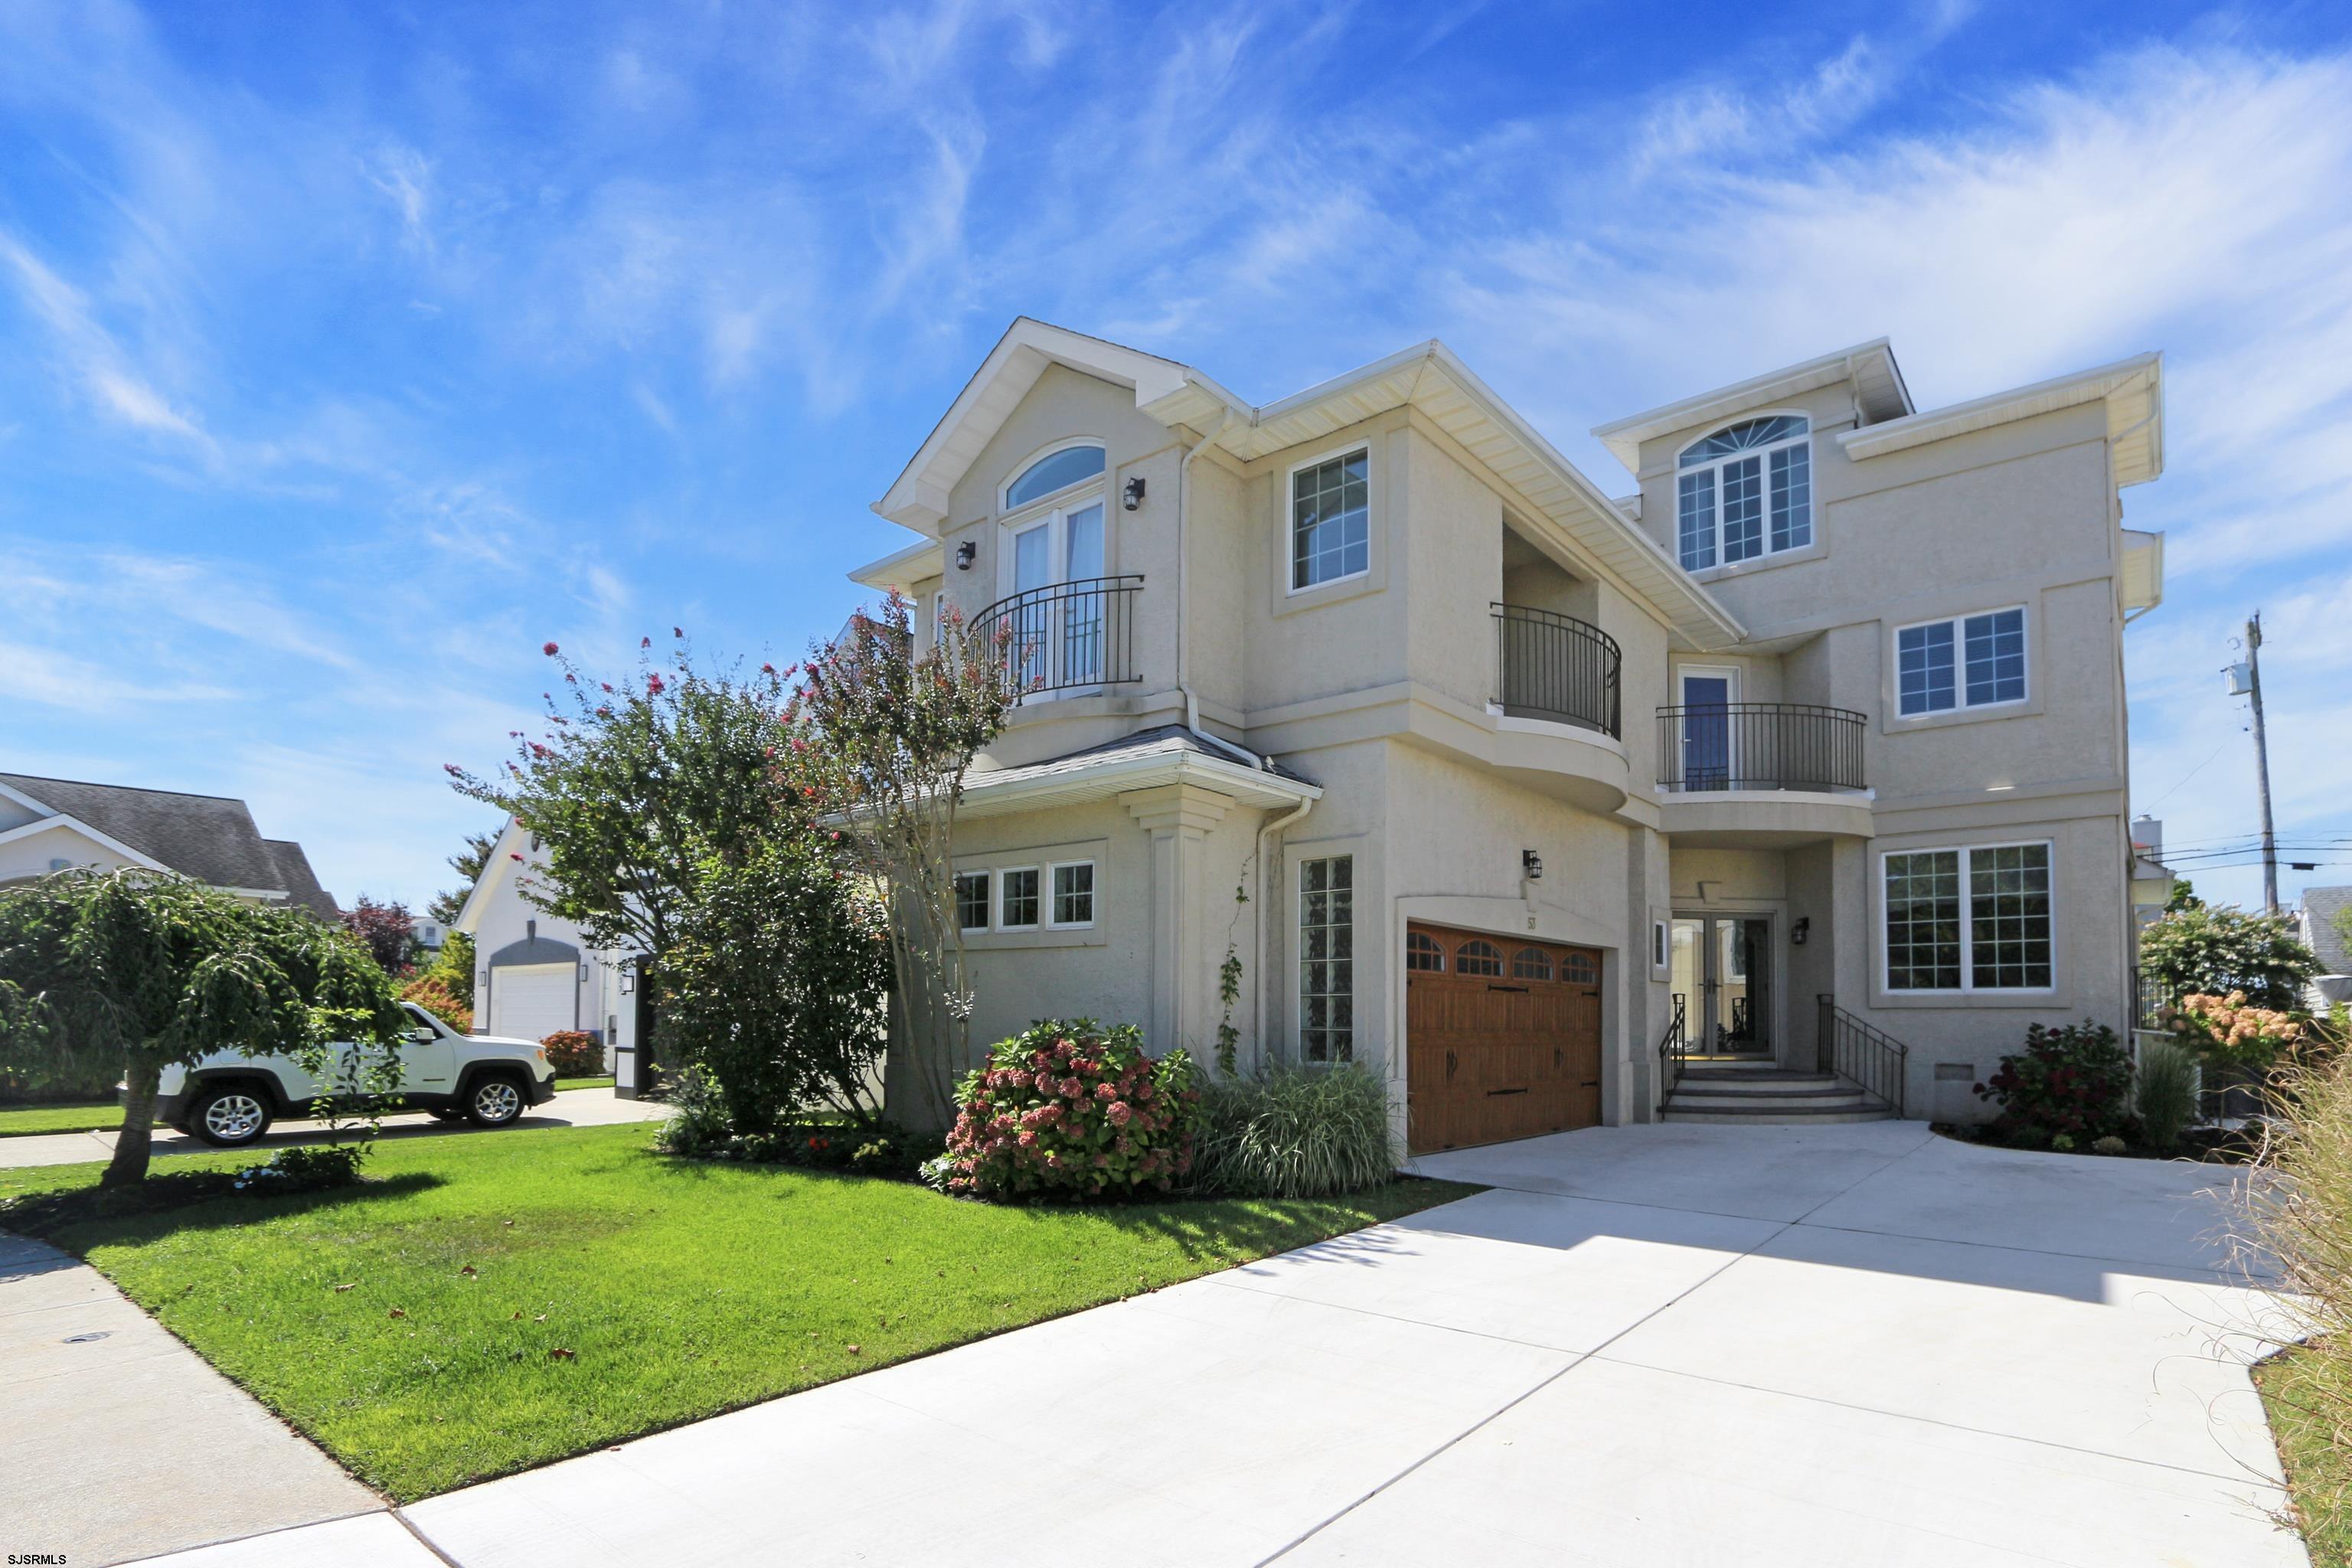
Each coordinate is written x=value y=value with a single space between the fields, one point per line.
x=1179 y=817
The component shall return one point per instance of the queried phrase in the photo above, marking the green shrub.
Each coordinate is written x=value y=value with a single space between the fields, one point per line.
x=1070 y=1108
x=574 y=1053
x=2166 y=1092
x=306 y=1168
x=1297 y=1133
x=431 y=992
x=2072 y=1083
x=697 y=1121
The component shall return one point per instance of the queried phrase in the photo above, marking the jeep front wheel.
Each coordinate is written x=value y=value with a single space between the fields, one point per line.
x=229 y=1118
x=494 y=1103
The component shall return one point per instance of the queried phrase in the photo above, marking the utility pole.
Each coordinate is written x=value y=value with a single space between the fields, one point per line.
x=2262 y=761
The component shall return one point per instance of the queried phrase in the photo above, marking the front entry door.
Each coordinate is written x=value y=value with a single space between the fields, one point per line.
x=1502 y=1038
x=1721 y=972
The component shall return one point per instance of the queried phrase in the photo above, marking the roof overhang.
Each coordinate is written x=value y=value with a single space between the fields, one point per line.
x=57 y=822
x=919 y=497
x=1878 y=391
x=2132 y=390
x=494 y=872
x=902 y=569
x=1093 y=778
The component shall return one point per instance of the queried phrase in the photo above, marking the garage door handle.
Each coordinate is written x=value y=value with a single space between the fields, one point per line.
x=1590 y=1083
x=1492 y=1092
x=1492 y=986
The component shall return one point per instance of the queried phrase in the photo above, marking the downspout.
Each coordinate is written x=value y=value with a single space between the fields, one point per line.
x=1257 y=1027
x=1184 y=604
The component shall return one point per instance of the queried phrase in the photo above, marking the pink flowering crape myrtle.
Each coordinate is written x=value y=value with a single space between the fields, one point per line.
x=1070 y=1108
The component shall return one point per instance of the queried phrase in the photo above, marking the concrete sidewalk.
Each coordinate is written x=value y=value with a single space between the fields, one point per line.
x=570 y=1108
x=120 y=1442
x=1834 y=1347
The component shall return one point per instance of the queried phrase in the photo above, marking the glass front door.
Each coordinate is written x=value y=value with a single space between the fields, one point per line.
x=1059 y=637
x=1720 y=967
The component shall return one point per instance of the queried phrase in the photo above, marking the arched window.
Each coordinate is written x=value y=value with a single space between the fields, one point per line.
x=1744 y=491
x=1053 y=471
x=1421 y=952
x=1580 y=969
x=1478 y=958
x=1531 y=963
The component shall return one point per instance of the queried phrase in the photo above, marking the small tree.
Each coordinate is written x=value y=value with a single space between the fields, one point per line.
x=890 y=736
x=388 y=930
x=2215 y=950
x=154 y=970
x=467 y=863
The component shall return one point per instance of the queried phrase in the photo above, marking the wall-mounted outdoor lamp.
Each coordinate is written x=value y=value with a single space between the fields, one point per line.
x=1132 y=496
x=1531 y=865
x=1797 y=932
x=628 y=980
x=965 y=553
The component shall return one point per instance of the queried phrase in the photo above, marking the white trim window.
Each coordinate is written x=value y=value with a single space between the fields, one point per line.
x=1744 y=491
x=971 y=901
x=1971 y=919
x=1961 y=661
x=1074 y=894
x=1016 y=898
x=1330 y=519
x=1072 y=462
x=1326 y=959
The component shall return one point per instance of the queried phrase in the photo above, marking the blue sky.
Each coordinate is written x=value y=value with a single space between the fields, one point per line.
x=351 y=352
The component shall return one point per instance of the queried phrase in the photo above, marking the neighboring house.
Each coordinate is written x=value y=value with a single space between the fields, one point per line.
x=2151 y=878
x=2315 y=921
x=534 y=973
x=52 y=824
x=1816 y=743
x=429 y=936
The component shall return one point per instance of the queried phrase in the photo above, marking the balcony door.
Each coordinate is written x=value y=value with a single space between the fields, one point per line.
x=1720 y=968
x=1707 y=694
x=1058 y=621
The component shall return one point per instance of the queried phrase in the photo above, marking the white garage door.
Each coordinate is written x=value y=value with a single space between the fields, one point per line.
x=530 y=1002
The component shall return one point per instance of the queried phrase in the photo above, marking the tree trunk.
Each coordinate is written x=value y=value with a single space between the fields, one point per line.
x=131 y=1144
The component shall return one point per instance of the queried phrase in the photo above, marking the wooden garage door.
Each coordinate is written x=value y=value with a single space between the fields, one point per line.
x=1502 y=1037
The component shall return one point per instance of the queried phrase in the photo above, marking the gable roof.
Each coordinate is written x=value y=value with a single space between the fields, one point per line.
x=1877 y=380
x=2132 y=390
x=1429 y=377
x=207 y=837
x=511 y=840
x=302 y=883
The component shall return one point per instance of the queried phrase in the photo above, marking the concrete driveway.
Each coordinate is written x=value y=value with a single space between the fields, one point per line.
x=1849 y=1345
x=570 y=1108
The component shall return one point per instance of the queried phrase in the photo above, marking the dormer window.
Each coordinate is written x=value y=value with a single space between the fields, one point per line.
x=1744 y=491
x=1056 y=470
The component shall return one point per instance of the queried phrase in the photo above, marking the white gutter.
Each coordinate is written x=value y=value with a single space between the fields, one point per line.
x=1183 y=601
x=1257 y=1027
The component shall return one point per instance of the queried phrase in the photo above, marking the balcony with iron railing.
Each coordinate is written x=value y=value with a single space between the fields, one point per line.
x=1761 y=774
x=1064 y=639
x=1553 y=667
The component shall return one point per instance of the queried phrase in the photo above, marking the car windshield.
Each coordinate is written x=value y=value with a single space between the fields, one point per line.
x=418 y=1015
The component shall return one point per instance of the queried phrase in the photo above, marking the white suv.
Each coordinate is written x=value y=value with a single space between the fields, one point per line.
x=229 y=1100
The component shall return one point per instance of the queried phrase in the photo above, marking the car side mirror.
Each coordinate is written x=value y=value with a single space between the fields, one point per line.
x=421 y=1036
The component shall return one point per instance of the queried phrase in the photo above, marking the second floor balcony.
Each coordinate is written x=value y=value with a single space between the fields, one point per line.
x=1554 y=666
x=1738 y=746
x=1065 y=638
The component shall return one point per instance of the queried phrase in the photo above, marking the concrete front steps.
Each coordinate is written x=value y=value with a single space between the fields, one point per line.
x=1754 y=1092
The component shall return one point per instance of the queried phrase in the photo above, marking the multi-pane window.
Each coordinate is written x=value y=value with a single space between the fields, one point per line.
x=1968 y=920
x=1326 y=955
x=1478 y=958
x=1973 y=662
x=1421 y=953
x=1744 y=491
x=1017 y=901
x=1531 y=963
x=971 y=901
x=1330 y=519
x=1074 y=894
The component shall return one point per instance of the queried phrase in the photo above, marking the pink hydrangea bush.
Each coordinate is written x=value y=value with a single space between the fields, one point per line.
x=1070 y=1108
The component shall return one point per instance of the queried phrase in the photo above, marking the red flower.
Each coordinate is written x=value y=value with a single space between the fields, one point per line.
x=645 y=642
x=513 y=856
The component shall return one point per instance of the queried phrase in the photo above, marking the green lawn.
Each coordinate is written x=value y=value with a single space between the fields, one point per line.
x=680 y=1289
x=82 y=1116
x=2305 y=1393
x=564 y=1083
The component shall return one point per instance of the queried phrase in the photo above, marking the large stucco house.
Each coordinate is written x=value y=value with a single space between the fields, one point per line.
x=1792 y=781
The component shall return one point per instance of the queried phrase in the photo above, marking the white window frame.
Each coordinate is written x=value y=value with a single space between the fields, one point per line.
x=1730 y=674
x=1812 y=513
x=1968 y=986
x=987 y=875
x=1300 y=961
x=1048 y=898
x=1004 y=875
x=1005 y=509
x=1958 y=623
x=1289 y=553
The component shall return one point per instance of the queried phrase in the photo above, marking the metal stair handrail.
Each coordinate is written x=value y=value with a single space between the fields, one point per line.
x=1674 y=1048
x=1871 y=1060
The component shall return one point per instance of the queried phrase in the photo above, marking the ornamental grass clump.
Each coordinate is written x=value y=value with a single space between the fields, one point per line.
x=1297 y=1132
x=1069 y=1109
x=2165 y=1092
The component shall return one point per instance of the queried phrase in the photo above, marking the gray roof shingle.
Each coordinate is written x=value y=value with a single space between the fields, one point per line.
x=209 y=837
x=2321 y=904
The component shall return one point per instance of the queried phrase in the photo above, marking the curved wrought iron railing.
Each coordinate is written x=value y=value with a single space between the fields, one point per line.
x=1760 y=745
x=1551 y=666
x=1872 y=1060
x=1068 y=637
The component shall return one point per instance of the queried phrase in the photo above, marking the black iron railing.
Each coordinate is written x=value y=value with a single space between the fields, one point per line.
x=1069 y=636
x=1760 y=745
x=1551 y=666
x=1872 y=1060
x=1673 y=1046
